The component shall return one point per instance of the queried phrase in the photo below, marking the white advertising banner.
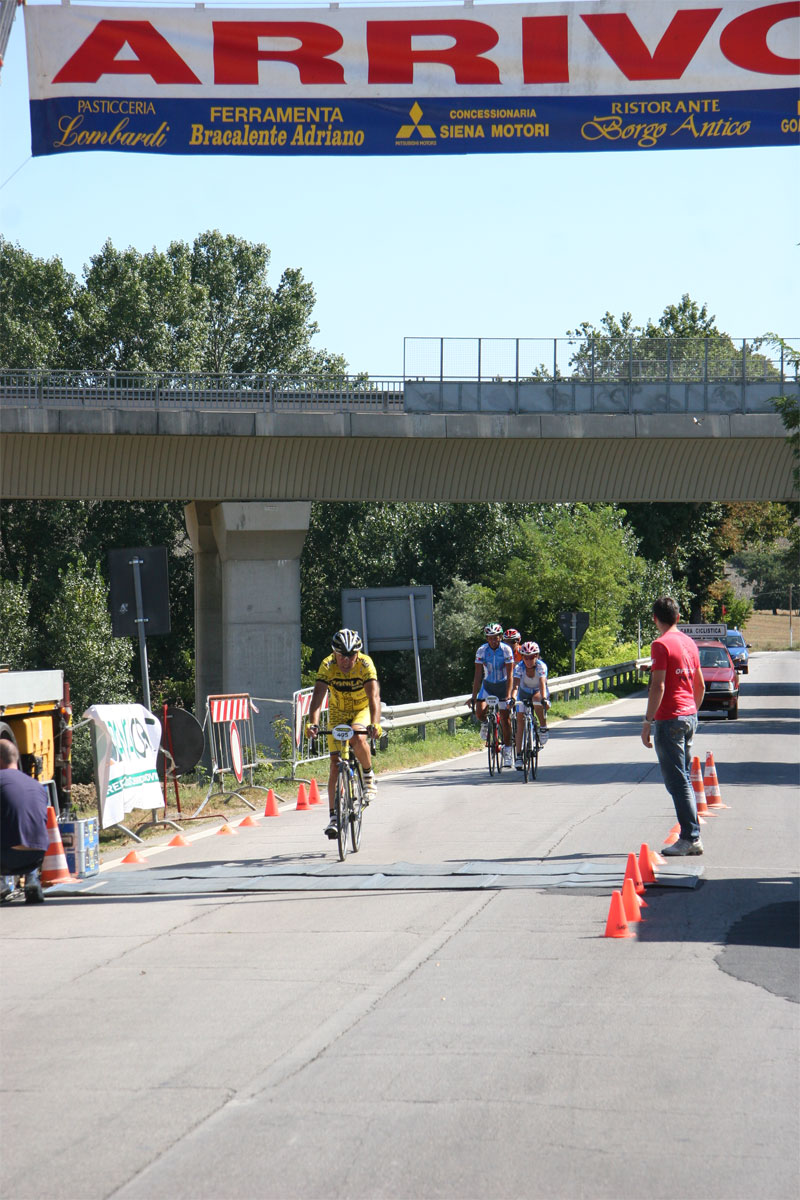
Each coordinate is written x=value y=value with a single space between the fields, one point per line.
x=572 y=76
x=127 y=739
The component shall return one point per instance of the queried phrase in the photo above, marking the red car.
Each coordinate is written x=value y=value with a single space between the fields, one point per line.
x=721 y=679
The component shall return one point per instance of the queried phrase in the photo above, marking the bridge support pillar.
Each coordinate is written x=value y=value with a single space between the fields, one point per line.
x=247 y=601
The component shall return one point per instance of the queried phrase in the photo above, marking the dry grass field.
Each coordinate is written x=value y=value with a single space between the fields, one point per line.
x=768 y=631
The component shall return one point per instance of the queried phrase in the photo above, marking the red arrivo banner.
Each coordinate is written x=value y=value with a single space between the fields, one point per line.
x=438 y=79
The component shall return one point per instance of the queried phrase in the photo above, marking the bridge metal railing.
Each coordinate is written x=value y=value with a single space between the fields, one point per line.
x=495 y=375
x=598 y=375
x=603 y=359
x=196 y=390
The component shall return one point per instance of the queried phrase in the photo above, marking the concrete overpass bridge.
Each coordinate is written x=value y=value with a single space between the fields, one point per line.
x=248 y=456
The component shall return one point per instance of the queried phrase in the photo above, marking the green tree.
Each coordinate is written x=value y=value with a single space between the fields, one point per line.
x=772 y=570
x=695 y=541
x=650 y=580
x=459 y=616
x=398 y=544
x=684 y=338
x=96 y=665
x=39 y=325
x=78 y=628
x=38 y=541
x=576 y=557
x=15 y=629
x=206 y=306
x=142 y=312
x=247 y=325
x=724 y=605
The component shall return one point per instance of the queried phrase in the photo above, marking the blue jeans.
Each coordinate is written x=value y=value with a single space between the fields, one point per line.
x=673 y=746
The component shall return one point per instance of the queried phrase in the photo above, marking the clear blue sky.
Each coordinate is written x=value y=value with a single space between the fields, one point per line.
x=493 y=246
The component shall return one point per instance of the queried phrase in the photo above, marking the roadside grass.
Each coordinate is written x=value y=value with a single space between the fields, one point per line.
x=405 y=750
x=770 y=631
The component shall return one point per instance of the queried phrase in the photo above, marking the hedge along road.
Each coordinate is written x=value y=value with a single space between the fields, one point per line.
x=433 y=1042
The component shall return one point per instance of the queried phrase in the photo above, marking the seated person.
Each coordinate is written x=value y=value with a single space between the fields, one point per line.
x=23 y=826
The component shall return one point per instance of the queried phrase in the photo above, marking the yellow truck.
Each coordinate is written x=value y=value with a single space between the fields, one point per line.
x=36 y=714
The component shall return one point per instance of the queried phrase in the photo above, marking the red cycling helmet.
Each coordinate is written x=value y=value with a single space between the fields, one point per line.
x=527 y=649
x=512 y=635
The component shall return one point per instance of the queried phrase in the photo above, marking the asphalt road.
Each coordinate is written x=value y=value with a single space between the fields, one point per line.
x=432 y=1042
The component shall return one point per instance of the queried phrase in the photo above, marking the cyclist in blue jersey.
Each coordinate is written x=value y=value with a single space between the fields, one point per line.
x=530 y=683
x=494 y=663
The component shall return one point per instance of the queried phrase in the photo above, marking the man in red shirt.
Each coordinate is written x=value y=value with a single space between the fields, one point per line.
x=676 y=693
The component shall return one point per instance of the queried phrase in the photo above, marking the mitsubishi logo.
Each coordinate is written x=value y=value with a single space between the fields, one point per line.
x=406 y=132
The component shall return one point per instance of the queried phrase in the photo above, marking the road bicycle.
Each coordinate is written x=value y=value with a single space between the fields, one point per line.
x=494 y=740
x=531 y=744
x=349 y=796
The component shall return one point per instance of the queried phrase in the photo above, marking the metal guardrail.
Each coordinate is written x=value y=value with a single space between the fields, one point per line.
x=396 y=716
x=420 y=713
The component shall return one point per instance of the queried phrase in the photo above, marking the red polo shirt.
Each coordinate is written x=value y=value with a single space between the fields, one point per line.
x=676 y=655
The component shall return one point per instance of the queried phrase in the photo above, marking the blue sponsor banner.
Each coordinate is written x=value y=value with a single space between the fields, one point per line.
x=400 y=126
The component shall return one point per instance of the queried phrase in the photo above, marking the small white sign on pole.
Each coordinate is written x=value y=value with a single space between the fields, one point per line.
x=126 y=743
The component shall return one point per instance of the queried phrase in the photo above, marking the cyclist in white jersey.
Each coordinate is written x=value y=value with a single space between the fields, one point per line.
x=530 y=683
x=494 y=662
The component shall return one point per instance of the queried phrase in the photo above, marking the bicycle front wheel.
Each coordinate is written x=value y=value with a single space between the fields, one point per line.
x=491 y=748
x=342 y=811
x=526 y=750
x=534 y=751
x=357 y=808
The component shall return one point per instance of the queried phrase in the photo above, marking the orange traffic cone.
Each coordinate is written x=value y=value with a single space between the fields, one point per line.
x=656 y=860
x=617 y=925
x=54 y=867
x=631 y=903
x=133 y=857
x=672 y=837
x=302 y=799
x=632 y=872
x=699 y=793
x=248 y=821
x=226 y=829
x=313 y=793
x=646 y=865
x=271 y=808
x=178 y=840
x=711 y=784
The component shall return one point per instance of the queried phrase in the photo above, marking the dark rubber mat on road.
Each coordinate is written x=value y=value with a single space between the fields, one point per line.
x=360 y=876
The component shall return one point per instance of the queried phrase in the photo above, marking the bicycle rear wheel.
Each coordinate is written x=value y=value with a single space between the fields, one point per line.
x=342 y=811
x=357 y=808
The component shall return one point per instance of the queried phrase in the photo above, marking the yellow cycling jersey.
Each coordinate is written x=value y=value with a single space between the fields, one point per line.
x=347 y=687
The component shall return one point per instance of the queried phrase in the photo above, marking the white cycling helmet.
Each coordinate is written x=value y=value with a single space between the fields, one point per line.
x=529 y=648
x=346 y=641
x=494 y=630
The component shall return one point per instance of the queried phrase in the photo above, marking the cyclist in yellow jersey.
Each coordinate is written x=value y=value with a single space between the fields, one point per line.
x=354 y=699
